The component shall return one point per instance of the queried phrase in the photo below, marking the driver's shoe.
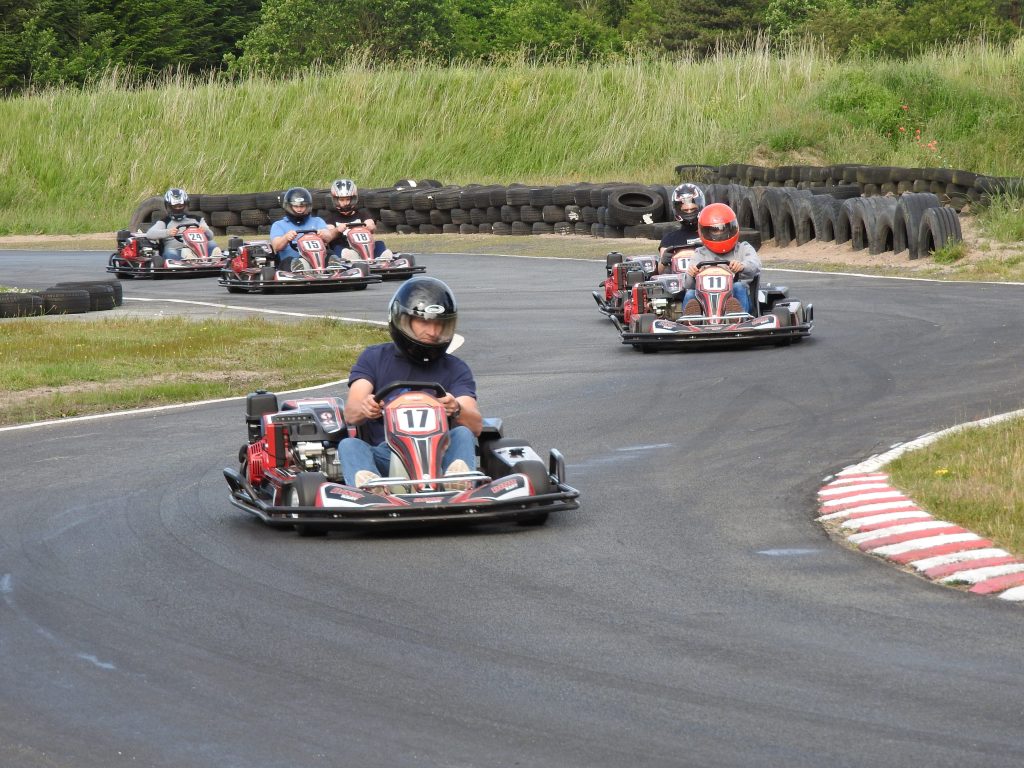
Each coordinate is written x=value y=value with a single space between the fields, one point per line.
x=733 y=306
x=692 y=308
x=458 y=467
x=364 y=477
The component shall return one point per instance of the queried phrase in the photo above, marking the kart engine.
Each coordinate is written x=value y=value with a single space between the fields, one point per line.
x=318 y=457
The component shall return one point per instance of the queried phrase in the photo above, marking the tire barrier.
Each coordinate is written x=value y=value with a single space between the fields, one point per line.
x=785 y=205
x=954 y=188
x=63 y=299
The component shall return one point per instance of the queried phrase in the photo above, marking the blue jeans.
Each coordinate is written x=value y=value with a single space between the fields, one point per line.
x=356 y=454
x=741 y=292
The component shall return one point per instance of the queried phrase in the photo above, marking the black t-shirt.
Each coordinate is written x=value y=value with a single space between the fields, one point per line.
x=360 y=215
x=678 y=238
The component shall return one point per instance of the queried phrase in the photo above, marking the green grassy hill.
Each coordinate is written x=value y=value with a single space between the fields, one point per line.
x=80 y=161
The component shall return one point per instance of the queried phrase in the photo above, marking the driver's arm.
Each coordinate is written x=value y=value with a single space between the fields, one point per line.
x=469 y=415
x=280 y=242
x=361 y=405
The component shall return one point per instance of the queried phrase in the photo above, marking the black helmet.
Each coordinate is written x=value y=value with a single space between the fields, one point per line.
x=690 y=198
x=345 y=188
x=176 y=203
x=297 y=196
x=429 y=299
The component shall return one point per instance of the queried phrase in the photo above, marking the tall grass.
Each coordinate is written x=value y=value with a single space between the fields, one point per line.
x=80 y=161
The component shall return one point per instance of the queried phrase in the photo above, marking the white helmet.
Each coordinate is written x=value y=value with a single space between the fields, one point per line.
x=176 y=202
x=345 y=188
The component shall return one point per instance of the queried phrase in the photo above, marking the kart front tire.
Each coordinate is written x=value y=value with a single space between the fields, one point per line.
x=541 y=482
x=302 y=493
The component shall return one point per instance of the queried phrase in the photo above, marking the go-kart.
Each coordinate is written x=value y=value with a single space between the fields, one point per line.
x=290 y=474
x=398 y=267
x=622 y=274
x=253 y=267
x=138 y=256
x=654 y=316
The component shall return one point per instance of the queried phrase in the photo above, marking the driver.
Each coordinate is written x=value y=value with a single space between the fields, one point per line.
x=687 y=202
x=345 y=196
x=298 y=219
x=719 y=231
x=422 y=317
x=168 y=230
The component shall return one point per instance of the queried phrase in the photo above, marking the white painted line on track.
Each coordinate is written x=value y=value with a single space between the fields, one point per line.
x=257 y=310
x=863 y=522
x=457 y=341
x=977 y=575
x=924 y=543
x=957 y=557
x=893 y=506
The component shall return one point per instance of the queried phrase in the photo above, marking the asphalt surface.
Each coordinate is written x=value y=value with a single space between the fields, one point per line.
x=690 y=613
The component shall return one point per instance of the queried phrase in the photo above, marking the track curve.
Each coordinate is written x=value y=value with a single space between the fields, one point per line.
x=690 y=613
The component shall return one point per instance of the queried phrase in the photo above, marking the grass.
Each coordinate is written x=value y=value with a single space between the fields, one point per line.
x=55 y=368
x=974 y=478
x=74 y=161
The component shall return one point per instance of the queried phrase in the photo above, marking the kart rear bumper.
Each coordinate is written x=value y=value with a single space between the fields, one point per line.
x=325 y=283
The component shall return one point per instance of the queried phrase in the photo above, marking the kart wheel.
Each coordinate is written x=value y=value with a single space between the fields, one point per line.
x=303 y=493
x=536 y=472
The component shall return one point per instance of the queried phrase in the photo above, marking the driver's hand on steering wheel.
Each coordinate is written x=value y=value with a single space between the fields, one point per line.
x=370 y=408
x=736 y=267
x=451 y=405
x=692 y=270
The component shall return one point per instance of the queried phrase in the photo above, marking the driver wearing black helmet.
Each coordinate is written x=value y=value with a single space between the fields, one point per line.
x=422 y=318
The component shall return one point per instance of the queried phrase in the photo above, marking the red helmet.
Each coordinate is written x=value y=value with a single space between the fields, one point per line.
x=718 y=228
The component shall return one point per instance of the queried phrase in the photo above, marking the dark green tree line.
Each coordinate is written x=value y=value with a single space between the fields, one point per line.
x=57 y=42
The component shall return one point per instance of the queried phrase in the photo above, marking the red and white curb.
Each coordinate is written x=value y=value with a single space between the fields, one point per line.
x=860 y=505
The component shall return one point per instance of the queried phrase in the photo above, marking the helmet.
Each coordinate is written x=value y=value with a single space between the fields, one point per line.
x=345 y=188
x=176 y=202
x=690 y=197
x=718 y=228
x=427 y=298
x=297 y=196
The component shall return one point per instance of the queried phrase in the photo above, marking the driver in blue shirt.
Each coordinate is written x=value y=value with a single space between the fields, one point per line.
x=422 y=318
x=298 y=208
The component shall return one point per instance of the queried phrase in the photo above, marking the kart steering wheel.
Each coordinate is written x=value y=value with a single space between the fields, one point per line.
x=430 y=386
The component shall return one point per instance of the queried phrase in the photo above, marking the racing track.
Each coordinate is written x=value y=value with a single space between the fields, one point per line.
x=691 y=613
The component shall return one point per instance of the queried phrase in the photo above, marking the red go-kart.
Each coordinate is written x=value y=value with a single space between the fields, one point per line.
x=252 y=267
x=398 y=267
x=138 y=256
x=654 y=316
x=290 y=474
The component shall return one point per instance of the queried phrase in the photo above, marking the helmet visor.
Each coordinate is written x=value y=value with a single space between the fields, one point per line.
x=719 y=232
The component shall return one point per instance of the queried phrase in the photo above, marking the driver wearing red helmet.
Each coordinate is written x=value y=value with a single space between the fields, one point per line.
x=719 y=231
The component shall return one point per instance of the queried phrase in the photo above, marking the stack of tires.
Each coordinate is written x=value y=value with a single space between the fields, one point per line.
x=63 y=299
x=785 y=204
x=954 y=188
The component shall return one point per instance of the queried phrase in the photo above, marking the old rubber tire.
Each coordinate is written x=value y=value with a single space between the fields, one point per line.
x=65 y=301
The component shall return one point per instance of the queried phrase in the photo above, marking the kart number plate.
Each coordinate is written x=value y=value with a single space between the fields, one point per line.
x=418 y=420
x=713 y=282
x=363 y=238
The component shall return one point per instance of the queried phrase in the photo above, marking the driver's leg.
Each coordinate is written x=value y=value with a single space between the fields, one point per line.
x=741 y=291
x=461 y=445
